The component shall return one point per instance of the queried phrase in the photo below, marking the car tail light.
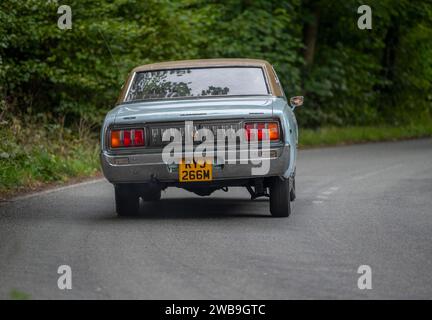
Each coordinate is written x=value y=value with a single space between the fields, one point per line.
x=139 y=137
x=273 y=128
x=115 y=139
x=127 y=138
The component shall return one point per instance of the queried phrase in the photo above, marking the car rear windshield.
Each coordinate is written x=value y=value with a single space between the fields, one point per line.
x=197 y=82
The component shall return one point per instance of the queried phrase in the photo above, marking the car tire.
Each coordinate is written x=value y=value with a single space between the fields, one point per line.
x=293 y=191
x=280 y=203
x=127 y=200
x=151 y=195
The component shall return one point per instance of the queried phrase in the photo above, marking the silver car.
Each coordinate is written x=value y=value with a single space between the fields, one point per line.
x=201 y=125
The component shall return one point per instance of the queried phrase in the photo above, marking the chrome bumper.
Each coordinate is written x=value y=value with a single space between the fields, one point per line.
x=149 y=167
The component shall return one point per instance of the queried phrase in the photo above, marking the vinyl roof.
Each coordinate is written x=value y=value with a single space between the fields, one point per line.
x=203 y=63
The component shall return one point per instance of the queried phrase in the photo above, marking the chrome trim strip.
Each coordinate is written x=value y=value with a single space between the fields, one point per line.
x=129 y=86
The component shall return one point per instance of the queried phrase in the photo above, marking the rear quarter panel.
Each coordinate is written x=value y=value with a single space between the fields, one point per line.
x=283 y=111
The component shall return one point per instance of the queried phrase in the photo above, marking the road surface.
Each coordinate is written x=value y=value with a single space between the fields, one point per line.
x=357 y=205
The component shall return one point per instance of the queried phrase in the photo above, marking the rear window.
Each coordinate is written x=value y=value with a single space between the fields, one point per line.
x=197 y=82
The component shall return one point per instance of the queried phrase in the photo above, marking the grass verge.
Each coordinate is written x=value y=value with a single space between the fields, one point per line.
x=32 y=156
x=19 y=295
x=331 y=136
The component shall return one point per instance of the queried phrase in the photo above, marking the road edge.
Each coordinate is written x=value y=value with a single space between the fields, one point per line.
x=51 y=189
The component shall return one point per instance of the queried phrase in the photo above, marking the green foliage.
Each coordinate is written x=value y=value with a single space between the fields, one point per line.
x=79 y=72
x=31 y=153
x=329 y=136
x=267 y=30
x=19 y=295
x=373 y=76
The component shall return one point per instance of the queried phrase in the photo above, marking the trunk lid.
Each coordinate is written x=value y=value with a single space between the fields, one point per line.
x=195 y=109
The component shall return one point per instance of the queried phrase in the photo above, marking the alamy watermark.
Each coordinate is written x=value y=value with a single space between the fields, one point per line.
x=365 y=20
x=64 y=22
x=365 y=280
x=64 y=282
x=190 y=144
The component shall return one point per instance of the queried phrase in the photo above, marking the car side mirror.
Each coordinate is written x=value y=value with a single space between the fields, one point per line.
x=296 y=101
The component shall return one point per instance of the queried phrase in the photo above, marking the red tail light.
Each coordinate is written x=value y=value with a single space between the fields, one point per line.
x=139 y=137
x=273 y=128
x=127 y=138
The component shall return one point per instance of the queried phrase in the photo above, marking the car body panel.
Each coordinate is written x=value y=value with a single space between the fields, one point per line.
x=190 y=109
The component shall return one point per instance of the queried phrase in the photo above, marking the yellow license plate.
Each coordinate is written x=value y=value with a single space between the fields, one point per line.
x=200 y=171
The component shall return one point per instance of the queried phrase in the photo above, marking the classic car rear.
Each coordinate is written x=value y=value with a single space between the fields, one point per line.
x=201 y=125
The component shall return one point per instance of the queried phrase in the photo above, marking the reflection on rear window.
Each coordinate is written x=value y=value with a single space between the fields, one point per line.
x=197 y=82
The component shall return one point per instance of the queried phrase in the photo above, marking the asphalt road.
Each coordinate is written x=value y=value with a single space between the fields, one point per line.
x=357 y=205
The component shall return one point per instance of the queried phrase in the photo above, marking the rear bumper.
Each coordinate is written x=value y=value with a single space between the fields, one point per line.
x=145 y=168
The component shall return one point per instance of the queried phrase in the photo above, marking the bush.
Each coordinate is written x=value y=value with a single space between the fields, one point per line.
x=37 y=153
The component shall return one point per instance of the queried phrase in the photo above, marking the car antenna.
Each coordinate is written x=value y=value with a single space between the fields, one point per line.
x=109 y=49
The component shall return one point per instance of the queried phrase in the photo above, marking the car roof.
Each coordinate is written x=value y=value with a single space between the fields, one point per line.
x=202 y=63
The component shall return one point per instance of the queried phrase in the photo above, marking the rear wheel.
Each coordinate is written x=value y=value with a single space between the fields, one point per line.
x=280 y=198
x=151 y=195
x=127 y=200
x=293 y=191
